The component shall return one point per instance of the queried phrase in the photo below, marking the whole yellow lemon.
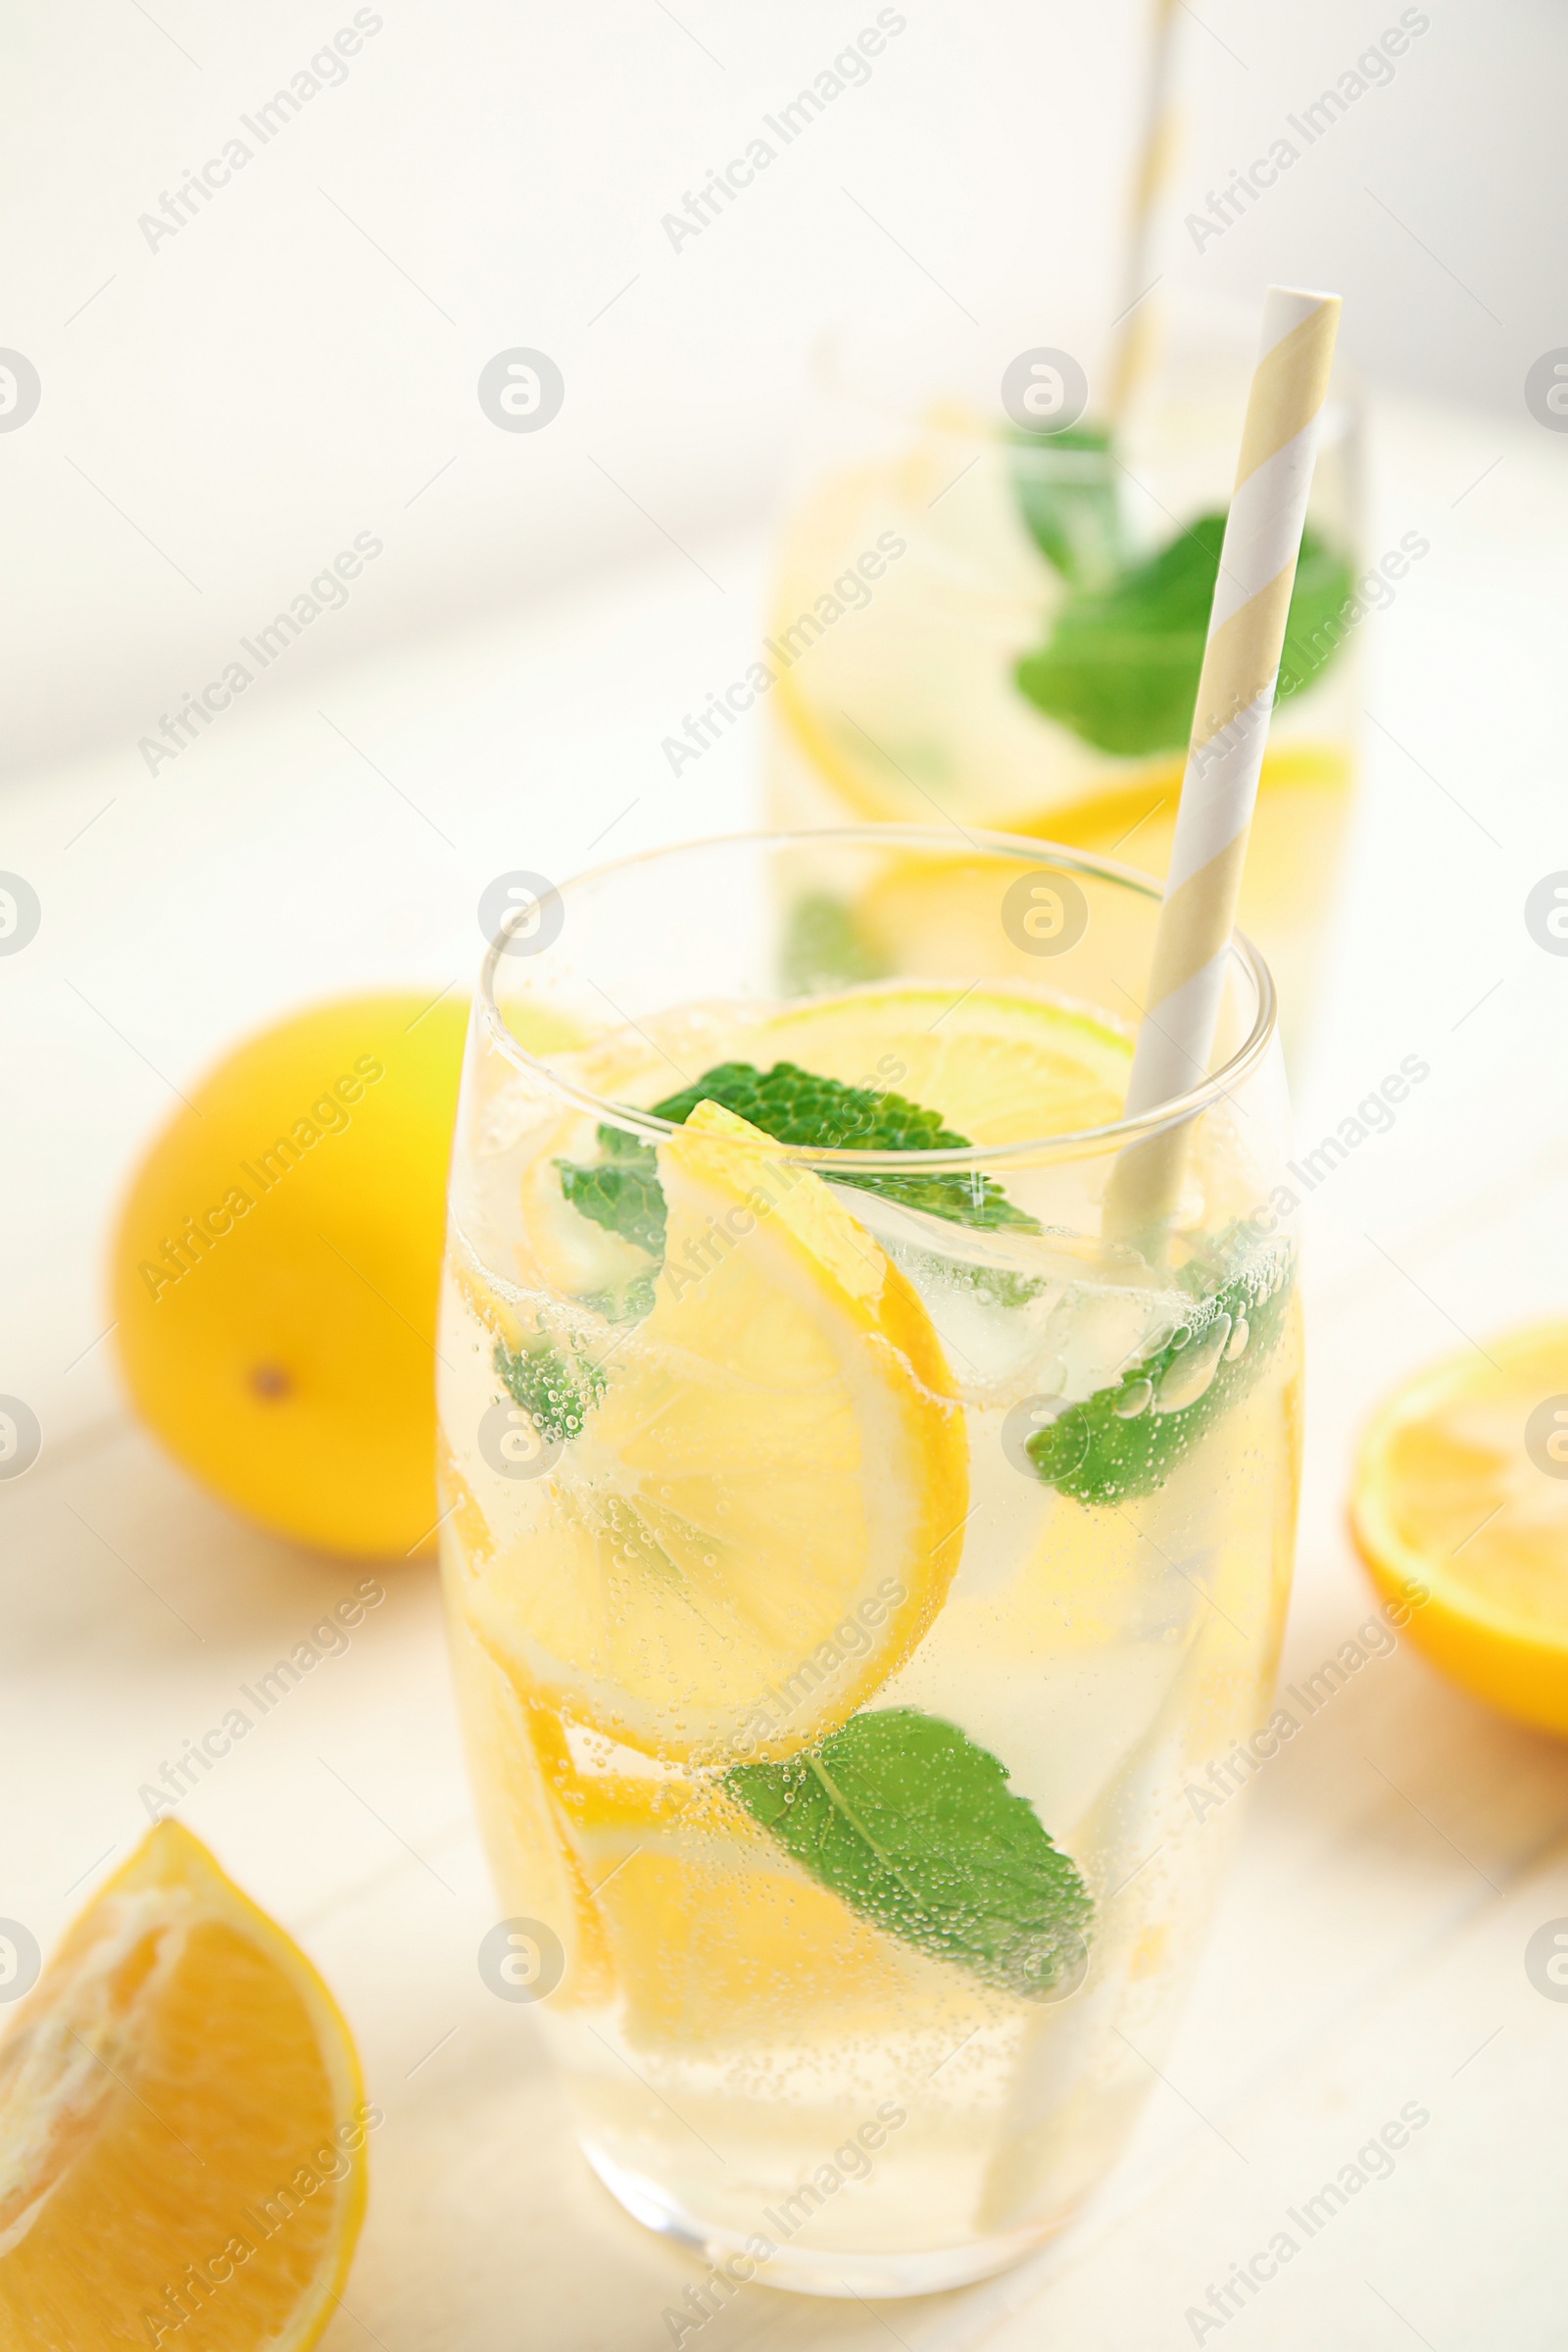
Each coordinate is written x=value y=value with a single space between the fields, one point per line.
x=276 y=1269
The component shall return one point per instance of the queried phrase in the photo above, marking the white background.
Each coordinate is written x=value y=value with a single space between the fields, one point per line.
x=298 y=362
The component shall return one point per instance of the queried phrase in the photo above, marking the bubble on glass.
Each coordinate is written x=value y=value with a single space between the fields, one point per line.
x=1025 y=1420
x=1134 y=1400
x=1072 y=1968
x=1189 y=1373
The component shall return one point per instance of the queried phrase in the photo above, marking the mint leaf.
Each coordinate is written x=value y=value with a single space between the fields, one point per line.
x=1121 y=664
x=797 y=1107
x=997 y=1286
x=622 y=1191
x=1076 y=523
x=1315 y=625
x=556 y=1392
x=1118 y=1443
x=912 y=1826
x=627 y=1302
x=824 y=947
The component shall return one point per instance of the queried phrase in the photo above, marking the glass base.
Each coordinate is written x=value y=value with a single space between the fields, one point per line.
x=814 y=2271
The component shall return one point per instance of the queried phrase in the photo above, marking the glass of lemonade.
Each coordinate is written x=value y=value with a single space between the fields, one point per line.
x=1004 y=626
x=855 y=1540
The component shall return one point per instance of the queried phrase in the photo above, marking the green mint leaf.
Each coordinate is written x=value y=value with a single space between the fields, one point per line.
x=913 y=1827
x=796 y=1106
x=824 y=947
x=556 y=1391
x=1315 y=625
x=623 y=1192
x=628 y=1302
x=1076 y=525
x=1125 y=1439
x=1121 y=664
x=999 y=1286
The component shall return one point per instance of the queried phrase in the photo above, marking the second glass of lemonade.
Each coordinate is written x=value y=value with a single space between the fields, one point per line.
x=1001 y=623
x=857 y=1534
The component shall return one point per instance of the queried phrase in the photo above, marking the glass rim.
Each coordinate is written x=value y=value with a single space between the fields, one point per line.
x=1023 y=849
x=832 y=375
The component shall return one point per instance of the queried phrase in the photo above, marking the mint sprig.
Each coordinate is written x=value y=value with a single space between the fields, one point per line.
x=912 y=1826
x=621 y=1191
x=1127 y=1437
x=1071 y=514
x=556 y=1390
x=797 y=1107
x=824 y=947
x=1120 y=666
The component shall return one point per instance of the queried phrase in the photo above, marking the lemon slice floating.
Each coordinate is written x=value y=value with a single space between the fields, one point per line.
x=764 y=1508
x=999 y=1065
x=1460 y=1512
x=181 y=2126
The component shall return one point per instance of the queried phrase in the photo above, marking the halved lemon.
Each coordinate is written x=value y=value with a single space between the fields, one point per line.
x=999 y=1065
x=181 y=2126
x=1460 y=1512
x=764 y=1507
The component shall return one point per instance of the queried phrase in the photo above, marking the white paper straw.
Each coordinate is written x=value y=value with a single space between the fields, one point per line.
x=1230 y=729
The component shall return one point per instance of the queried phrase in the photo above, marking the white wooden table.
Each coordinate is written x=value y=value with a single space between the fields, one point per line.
x=1399 y=1853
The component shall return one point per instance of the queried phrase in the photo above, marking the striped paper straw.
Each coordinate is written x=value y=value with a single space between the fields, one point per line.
x=1133 y=358
x=1230 y=729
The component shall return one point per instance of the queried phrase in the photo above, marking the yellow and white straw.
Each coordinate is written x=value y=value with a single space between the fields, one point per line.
x=1133 y=360
x=1230 y=728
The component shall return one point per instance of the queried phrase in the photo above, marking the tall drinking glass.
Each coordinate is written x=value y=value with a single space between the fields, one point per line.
x=852 y=1543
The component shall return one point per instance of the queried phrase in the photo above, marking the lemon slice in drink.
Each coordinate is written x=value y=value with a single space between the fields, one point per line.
x=1460 y=1512
x=762 y=1509
x=998 y=1065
